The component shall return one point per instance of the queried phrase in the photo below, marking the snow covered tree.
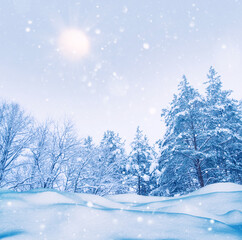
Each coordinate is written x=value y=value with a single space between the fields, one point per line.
x=63 y=151
x=53 y=154
x=224 y=126
x=182 y=155
x=140 y=159
x=15 y=136
x=202 y=143
x=81 y=178
x=110 y=175
x=38 y=156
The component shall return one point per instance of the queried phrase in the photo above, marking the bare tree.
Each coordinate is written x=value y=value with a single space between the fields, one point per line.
x=15 y=136
x=53 y=155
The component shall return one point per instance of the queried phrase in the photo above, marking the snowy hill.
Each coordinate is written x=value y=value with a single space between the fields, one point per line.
x=214 y=212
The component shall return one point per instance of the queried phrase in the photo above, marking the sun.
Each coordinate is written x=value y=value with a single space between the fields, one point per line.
x=73 y=44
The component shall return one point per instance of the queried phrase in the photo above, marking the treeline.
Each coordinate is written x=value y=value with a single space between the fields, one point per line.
x=202 y=145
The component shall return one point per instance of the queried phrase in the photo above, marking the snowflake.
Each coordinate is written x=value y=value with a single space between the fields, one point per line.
x=139 y=219
x=89 y=204
x=146 y=46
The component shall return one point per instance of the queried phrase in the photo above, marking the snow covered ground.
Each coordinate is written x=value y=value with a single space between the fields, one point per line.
x=214 y=212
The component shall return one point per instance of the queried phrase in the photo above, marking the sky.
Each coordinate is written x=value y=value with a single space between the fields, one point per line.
x=113 y=65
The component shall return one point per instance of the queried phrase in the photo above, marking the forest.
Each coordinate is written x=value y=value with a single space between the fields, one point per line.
x=202 y=145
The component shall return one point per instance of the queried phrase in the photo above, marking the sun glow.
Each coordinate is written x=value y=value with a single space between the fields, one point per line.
x=73 y=44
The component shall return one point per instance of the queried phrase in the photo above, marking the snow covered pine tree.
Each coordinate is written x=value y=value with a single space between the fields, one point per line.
x=140 y=160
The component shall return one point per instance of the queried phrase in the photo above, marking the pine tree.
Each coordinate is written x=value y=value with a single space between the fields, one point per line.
x=141 y=157
x=110 y=175
x=224 y=126
x=182 y=155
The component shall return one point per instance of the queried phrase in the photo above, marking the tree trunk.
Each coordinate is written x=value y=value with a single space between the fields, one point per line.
x=139 y=188
x=1 y=175
x=199 y=173
x=197 y=161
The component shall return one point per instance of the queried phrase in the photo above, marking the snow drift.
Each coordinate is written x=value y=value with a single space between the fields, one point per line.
x=214 y=212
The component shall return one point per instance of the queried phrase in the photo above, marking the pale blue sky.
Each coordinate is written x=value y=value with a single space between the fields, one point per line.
x=139 y=49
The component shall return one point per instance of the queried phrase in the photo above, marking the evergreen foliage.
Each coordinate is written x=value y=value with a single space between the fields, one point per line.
x=141 y=157
x=202 y=143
